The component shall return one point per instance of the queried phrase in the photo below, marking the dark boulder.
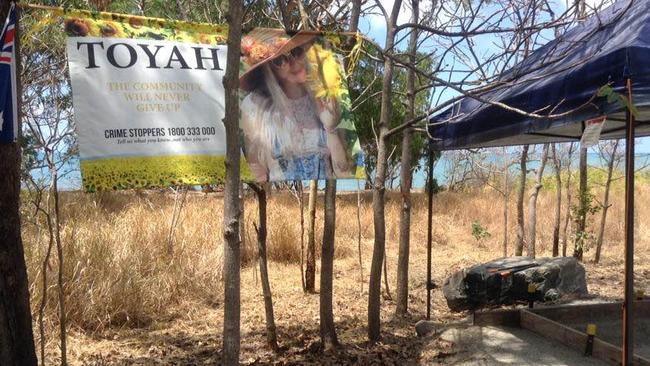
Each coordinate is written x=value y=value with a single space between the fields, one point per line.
x=506 y=280
x=425 y=328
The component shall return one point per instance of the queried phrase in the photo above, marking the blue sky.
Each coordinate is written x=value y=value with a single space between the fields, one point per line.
x=374 y=27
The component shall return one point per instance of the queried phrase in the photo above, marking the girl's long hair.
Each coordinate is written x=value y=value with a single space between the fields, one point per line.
x=271 y=119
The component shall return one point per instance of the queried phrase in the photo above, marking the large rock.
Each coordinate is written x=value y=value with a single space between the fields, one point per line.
x=425 y=328
x=505 y=280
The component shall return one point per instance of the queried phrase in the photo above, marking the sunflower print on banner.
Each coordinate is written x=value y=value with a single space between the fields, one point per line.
x=328 y=80
x=81 y=23
x=154 y=171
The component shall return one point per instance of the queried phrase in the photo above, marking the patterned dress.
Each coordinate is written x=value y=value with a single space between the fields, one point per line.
x=306 y=157
x=283 y=145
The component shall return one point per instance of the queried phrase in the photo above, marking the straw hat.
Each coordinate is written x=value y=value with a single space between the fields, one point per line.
x=262 y=45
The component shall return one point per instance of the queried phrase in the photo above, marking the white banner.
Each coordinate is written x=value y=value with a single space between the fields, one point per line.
x=591 y=134
x=136 y=97
x=151 y=105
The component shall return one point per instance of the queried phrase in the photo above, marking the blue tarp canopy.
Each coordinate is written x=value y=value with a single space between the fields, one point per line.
x=560 y=77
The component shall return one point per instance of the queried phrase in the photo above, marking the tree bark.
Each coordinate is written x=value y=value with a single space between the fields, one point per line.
x=532 y=204
x=386 y=286
x=354 y=26
x=506 y=195
x=59 y=250
x=313 y=192
x=606 y=205
x=406 y=176
x=44 y=269
x=16 y=337
x=327 y=329
x=359 y=237
x=558 y=202
x=242 y=215
x=310 y=267
x=581 y=220
x=567 y=216
x=519 y=244
x=231 y=214
x=301 y=202
x=271 y=334
x=378 y=200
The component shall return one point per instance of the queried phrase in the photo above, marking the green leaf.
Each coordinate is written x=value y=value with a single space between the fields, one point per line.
x=346 y=124
x=612 y=97
x=356 y=149
x=605 y=91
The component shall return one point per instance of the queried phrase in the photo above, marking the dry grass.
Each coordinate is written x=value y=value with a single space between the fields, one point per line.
x=125 y=293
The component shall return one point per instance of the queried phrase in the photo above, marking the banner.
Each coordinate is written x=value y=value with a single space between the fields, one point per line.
x=148 y=100
x=591 y=133
x=296 y=116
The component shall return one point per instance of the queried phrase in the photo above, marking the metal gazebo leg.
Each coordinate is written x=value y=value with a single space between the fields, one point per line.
x=429 y=234
x=628 y=305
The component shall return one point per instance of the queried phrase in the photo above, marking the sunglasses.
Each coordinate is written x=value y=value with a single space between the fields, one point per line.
x=294 y=54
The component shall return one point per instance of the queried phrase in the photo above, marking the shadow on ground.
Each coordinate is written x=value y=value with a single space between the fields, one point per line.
x=300 y=345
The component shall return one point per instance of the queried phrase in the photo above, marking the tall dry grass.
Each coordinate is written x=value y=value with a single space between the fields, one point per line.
x=118 y=273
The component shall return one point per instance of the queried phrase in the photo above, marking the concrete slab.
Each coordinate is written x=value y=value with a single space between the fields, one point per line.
x=509 y=346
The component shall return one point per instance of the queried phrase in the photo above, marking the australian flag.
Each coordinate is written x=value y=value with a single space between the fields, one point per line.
x=8 y=103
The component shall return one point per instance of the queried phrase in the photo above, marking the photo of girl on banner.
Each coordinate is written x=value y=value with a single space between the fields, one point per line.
x=295 y=115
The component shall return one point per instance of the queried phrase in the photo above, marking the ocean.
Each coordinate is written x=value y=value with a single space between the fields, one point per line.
x=70 y=177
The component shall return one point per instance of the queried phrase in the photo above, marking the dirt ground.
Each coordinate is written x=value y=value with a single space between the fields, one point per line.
x=195 y=338
x=192 y=334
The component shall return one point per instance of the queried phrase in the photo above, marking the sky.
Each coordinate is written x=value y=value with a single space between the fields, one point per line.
x=374 y=27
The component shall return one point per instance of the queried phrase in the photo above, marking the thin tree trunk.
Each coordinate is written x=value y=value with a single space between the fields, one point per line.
x=284 y=14
x=406 y=178
x=182 y=11
x=242 y=216
x=558 y=202
x=44 y=269
x=374 y=284
x=231 y=210
x=506 y=175
x=59 y=250
x=567 y=216
x=532 y=204
x=378 y=200
x=176 y=214
x=354 y=19
x=581 y=220
x=301 y=201
x=519 y=244
x=354 y=26
x=16 y=336
x=606 y=205
x=310 y=269
x=327 y=329
x=359 y=236
x=601 y=229
x=386 y=286
x=313 y=193
x=271 y=334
